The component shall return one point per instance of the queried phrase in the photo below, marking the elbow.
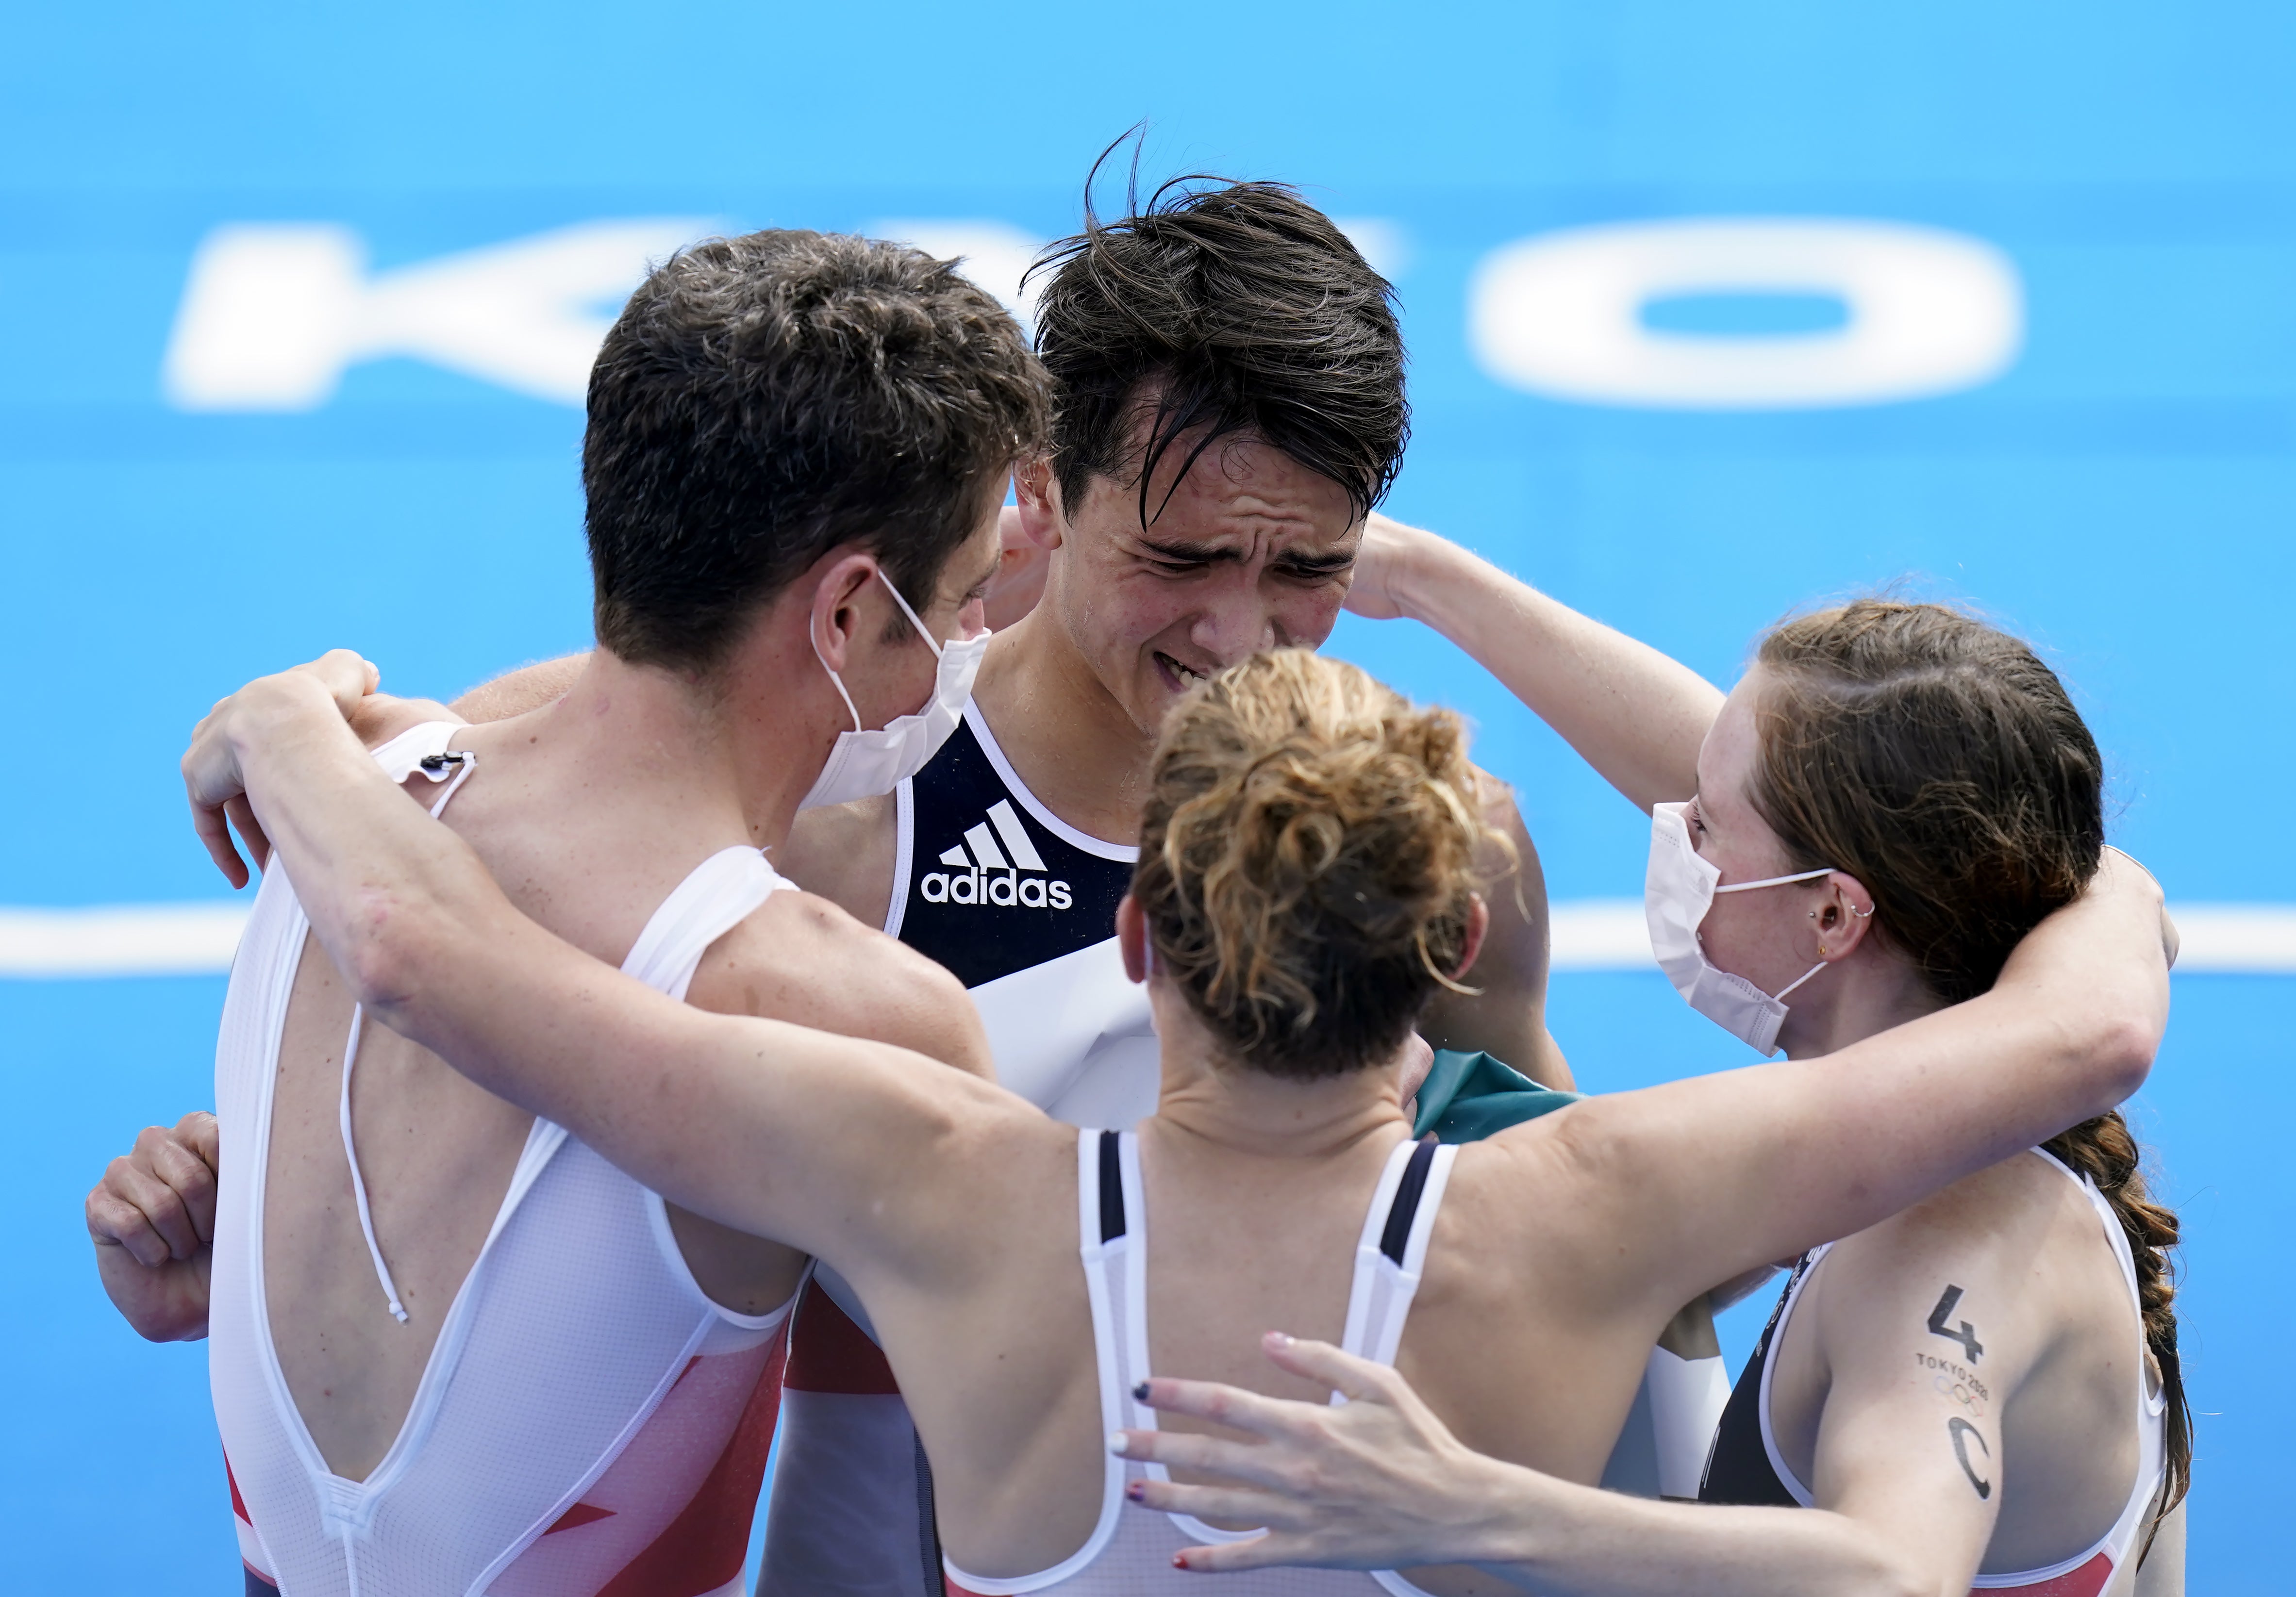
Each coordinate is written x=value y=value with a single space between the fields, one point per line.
x=390 y=945
x=1886 y=1571
x=2120 y=1054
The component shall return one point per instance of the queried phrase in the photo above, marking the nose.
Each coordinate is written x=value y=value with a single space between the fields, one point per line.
x=1236 y=621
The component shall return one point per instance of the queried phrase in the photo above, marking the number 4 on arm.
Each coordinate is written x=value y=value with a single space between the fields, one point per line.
x=1966 y=1335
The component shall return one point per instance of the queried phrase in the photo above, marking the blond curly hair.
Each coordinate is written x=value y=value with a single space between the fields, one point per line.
x=1307 y=861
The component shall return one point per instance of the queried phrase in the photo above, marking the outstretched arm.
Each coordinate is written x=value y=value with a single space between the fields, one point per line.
x=1700 y=1179
x=1633 y=714
x=1380 y=1483
x=744 y=1121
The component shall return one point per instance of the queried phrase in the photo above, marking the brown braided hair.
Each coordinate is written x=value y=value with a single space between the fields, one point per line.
x=1940 y=762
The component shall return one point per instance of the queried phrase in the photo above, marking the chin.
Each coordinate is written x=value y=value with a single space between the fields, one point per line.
x=1151 y=700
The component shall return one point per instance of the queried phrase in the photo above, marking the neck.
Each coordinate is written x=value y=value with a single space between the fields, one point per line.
x=674 y=747
x=1858 y=998
x=1210 y=1102
x=1068 y=737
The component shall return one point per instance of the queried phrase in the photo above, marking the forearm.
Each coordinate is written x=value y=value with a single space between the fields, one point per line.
x=1728 y=1172
x=733 y=1118
x=1582 y=1542
x=1635 y=715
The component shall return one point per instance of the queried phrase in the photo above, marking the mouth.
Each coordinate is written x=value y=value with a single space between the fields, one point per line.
x=1178 y=677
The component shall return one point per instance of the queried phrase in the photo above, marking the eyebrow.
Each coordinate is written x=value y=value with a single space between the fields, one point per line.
x=1182 y=552
x=1292 y=560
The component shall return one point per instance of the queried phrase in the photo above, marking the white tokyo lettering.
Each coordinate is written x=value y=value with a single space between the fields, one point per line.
x=274 y=312
x=1924 y=312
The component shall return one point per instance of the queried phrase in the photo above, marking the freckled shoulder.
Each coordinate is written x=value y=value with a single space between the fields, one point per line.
x=801 y=958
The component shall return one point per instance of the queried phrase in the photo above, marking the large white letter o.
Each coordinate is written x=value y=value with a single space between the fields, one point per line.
x=1930 y=312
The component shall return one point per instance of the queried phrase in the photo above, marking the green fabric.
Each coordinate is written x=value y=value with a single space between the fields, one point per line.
x=1468 y=1096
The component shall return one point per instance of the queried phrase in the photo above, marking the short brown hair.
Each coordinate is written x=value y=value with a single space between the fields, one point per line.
x=762 y=400
x=1307 y=860
x=1234 y=309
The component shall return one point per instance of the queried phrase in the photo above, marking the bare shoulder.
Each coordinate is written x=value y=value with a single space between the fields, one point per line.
x=801 y=958
x=1540 y=1190
x=2007 y=1209
x=844 y=852
x=2009 y=1241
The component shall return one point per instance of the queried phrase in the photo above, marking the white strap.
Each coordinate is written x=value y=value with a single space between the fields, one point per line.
x=463 y=763
x=1772 y=882
x=358 y=1182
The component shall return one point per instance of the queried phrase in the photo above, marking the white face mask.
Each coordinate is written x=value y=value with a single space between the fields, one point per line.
x=1676 y=894
x=865 y=765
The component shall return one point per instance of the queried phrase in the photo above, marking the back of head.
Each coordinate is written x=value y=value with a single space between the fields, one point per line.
x=763 y=399
x=1209 y=311
x=1939 y=762
x=1307 y=861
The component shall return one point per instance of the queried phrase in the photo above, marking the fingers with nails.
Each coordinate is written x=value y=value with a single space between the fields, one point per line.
x=1358 y=1484
x=211 y=777
x=157 y=1201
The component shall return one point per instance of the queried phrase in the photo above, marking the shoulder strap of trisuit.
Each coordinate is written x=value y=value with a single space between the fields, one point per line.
x=1392 y=1250
x=717 y=895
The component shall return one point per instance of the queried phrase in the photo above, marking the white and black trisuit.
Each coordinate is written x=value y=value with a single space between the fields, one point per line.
x=1022 y=907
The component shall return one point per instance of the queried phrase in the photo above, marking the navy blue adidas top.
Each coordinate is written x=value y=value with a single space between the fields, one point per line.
x=988 y=881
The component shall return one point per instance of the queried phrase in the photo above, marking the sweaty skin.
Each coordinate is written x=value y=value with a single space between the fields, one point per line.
x=1931 y=1463
x=589 y=809
x=1579 y=1233
x=1249 y=551
x=1957 y=1383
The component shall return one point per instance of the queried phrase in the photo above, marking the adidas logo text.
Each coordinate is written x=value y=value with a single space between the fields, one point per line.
x=971 y=877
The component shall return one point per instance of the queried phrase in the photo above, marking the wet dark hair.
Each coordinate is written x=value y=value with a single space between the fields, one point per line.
x=1209 y=312
x=762 y=400
x=1940 y=762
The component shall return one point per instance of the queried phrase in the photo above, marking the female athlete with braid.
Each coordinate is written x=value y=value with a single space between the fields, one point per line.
x=1980 y=1393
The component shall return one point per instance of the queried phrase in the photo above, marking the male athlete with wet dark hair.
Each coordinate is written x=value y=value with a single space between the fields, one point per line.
x=1228 y=408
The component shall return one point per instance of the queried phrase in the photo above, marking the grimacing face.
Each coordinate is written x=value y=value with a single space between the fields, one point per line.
x=1251 y=551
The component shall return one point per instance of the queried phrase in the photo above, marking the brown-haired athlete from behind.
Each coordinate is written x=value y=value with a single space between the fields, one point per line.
x=1982 y=1391
x=1308 y=882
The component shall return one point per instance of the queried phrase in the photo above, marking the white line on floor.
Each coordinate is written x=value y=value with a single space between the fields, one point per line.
x=1589 y=934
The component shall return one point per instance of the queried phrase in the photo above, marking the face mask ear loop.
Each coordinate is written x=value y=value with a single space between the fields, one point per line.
x=912 y=615
x=1798 y=980
x=1773 y=881
x=835 y=679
